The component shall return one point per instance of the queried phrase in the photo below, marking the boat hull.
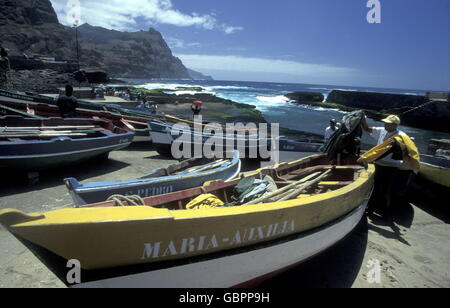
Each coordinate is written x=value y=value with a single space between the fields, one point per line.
x=104 y=237
x=47 y=161
x=249 y=146
x=98 y=192
x=241 y=268
x=435 y=170
x=40 y=154
x=35 y=109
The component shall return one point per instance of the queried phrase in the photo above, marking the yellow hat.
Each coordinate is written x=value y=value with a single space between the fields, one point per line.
x=392 y=119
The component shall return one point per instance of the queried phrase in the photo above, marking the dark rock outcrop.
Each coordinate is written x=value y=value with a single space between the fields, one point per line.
x=93 y=77
x=300 y=97
x=26 y=12
x=374 y=101
x=434 y=116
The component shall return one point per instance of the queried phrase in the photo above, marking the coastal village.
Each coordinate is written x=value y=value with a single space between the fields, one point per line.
x=96 y=194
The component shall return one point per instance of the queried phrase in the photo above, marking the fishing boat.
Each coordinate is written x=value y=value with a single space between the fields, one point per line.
x=435 y=165
x=18 y=105
x=249 y=143
x=38 y=144
x=435 y=169
x=186 y=174
x=166 y=243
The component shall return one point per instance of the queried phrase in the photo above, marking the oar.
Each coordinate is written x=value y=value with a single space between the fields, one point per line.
x=194 y=169
x=8 y=128
x=42 y=135
x=47 y=132
x=206 y=168
x=298 y=190
x=283 y=190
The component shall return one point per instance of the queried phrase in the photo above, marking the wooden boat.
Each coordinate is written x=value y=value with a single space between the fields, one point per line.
x=163 y=244
x=249 y=145
x=435 y=169
x=32 y=109
x=38 y=144
x=186 y=174
x=435 y=165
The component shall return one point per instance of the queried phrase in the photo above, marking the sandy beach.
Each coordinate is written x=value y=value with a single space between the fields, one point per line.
x=411 y=252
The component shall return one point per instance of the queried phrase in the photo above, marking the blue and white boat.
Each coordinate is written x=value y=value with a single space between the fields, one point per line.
x=42 y=143
x=249 y=145
x=184 y=175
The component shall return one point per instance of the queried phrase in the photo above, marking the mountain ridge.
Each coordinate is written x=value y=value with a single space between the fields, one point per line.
x=31 y=27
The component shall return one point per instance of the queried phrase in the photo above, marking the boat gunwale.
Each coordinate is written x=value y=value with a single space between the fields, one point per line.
x=139 y=181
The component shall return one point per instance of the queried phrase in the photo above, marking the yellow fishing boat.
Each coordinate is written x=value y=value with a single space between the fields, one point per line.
x=435 y=169
x=165 y=242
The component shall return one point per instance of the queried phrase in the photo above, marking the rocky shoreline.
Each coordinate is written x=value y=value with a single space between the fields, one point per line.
x=432 y=116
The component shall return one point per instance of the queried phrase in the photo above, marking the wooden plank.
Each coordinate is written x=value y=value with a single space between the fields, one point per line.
x=282 y=190
x=297 y=191
x=335 y=183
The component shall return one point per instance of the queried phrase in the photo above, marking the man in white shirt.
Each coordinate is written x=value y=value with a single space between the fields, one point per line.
x=391 y=177
x=331 y=129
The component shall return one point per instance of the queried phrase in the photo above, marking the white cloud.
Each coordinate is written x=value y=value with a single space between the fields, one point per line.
x=238 y=65
x=180 y=44
x=231 y=30
x=122 y=15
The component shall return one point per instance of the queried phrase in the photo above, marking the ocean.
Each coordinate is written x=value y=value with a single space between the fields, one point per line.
x=270 y=100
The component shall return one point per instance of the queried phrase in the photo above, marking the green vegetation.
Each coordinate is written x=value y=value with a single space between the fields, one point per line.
x=147 y=91
x=196 y=89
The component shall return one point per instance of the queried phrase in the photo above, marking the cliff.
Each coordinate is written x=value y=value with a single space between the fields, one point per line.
x=142 y=54
x=31 y=27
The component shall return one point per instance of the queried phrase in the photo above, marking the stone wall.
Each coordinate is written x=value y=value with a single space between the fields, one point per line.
x=21 y=63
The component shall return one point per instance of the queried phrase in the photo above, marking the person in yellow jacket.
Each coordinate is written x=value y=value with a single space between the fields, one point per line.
x=396 y=159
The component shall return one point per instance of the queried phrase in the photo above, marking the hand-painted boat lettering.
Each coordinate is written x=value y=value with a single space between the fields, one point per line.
x=204 y=242
x=188 y=245
x=151 y=191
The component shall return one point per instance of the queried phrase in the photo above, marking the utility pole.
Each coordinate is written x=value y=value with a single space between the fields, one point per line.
x=78 y=51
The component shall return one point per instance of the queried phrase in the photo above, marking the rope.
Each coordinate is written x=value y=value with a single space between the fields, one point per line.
x=131 y=200
x=418 y=107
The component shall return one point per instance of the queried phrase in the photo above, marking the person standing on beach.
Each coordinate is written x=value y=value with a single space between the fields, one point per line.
x=67 y=103
x=196 y=107
x=396 y=157
x=4 y=69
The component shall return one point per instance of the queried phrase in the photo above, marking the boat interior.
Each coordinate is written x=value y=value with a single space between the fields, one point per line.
x=187 y=166
x=48 y=111
x=18 y=129
x=316 y=175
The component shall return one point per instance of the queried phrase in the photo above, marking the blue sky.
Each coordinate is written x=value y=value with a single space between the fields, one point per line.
x=298 y=41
